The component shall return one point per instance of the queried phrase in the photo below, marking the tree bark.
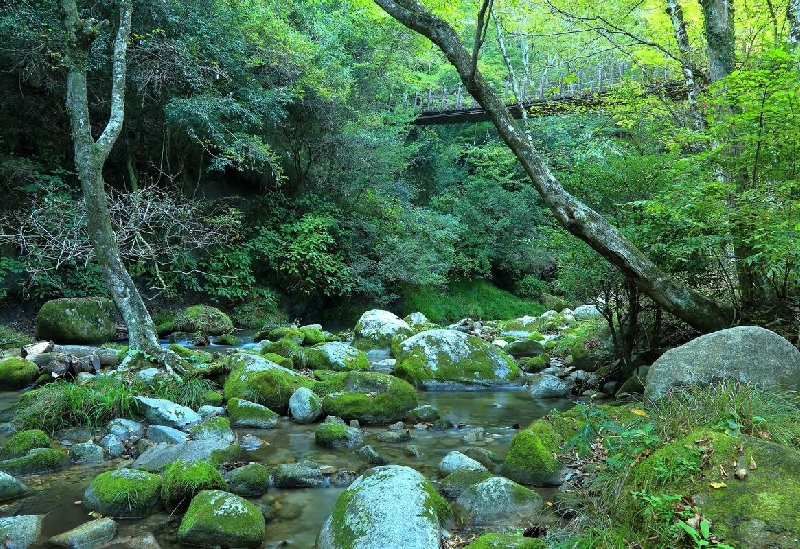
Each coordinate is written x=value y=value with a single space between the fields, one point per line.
x=90 y=157
x=687 y=67
x=697 y=310
x=718 y=26
x=793 y=17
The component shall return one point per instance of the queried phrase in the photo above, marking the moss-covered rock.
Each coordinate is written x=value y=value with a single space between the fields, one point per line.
x=419 y=322
x=244 y=413
x=337 y=356
x=335 y=435
x=632 y=385
x=447 y=358
x=524 y=348
x=182 y=480
x=377 y=329
x=36 y=461
x=454 y=484
x=279 y=360
x=752 y=511
x=313 y=335
x=531 y=459
x=217 y=518
x=17 y=373
x=227 y=339
x=425 y=413
x=535 y=364
x=369 y=397
x=288 y=347
x=77 y=320
x=23 y=442
x=386 y=503
x=506 y=541
x=204 y=319
x=497 y=502
x=250 y=480
x=124 y=493
x=218 y=428
x=262 y=381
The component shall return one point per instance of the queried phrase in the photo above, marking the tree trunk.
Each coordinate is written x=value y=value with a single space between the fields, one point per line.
x=91 y=155
x=718 y=25
x=697 y=310
x=687 y=67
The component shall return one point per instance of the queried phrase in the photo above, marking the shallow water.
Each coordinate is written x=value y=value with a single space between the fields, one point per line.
x=300 y=513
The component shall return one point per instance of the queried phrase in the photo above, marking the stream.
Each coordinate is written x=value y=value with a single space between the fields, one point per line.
x=298 y=513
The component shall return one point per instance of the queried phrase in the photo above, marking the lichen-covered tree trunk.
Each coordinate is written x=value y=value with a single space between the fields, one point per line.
x=675 y=13
x=91 y=155
x=793 y=18
x=697 y=310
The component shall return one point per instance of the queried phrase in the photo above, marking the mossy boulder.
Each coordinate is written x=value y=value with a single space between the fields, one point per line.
x=419 y=322
x=218 y=518
x=531 y=459
x=497 y=502
x=335 y=435
x=454 y=484
x=10 y=487
x=279 y=360
x=251 y=480
x=262 y=381
x=386 y=503
x=370 y=397
x=204 y=319
x=305 y=406
x=77 y=321
x=753 y=511
x=17 y=373
x=378 y=330
x=227 y=339
x=124 y=493
x=524 y=348
x=449 y=359
x=337 y=356
x=23 y=442
x=301 y=474
x=218 y=428
x=244 y=413
x=36 y=461
x=182 y=480
x=288 y=347
x=425 y=413
x=313 y=334
x=535 y=364
x=506 y=541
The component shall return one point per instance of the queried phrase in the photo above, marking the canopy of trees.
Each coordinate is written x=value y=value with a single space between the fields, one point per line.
x=267 y=152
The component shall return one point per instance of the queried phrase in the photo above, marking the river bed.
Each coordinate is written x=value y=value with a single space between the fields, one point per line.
x=300 y=513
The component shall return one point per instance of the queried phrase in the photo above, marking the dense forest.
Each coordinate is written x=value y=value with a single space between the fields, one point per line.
x=264 y=157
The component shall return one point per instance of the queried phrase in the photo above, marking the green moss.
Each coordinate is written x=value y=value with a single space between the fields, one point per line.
x=441 y=508
x=17 y=373
x=506 y=541
x=530 y=458
x=330 y=435
x=222 y=518
x=205 y=319
x=632 y=385
x=454 y=484
x=313 y=335
x=124 y=493
x=214 y=427
x=77 y=320
x=230 y=454
x=10 y=338
x=249 y=480
x=211 y=398
x=344 y=358
x=270 y=387
x=227 y=339
x=24 y=441
x=190 y=355
x=369 y=397
x=287 y=347
x=244 y=413
x=38 y=460
x=279 y=360
x=182 y=480
x=534 y=364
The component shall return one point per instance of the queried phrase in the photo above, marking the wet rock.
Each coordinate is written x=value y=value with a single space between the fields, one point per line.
x=474 y=435
x=157 y=457
x=162 y=433
x=370 y=397
x=481 y=455
x=126 y=429
x=456 y=461
x=10 y=487
x=442 y=425
x=77 y=320
x=124 y=493
x=206 y=411
x=412 y=450
x=497 y=502
x=454 y=484
x=112 y=446
x=256 y=378
x=160 y=411
x=184 y=479
x=425 y=413
x=394 y=436
x=251 y=442
x=333 y=435
x=87 y=535
x=337 y=356
x=251 y=480
x=343 y=478
x=86 y=452
x=23 y=442
x=303 y=474
x=38 y=460
x=369 y=455
x=548 y=386
x=21 y=531
x=305 y=406
x=386 y=503
x=220 y=518
x=524 y=348
x=215 y=428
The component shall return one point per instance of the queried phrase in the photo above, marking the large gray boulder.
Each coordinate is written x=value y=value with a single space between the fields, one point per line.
x=305 y=406
x=87 y=535
x=159 y=411
x=77 y=320
x=378 y=329
x=157 y=457
x=10 y=487
x=20 y=531
x=456 y=461
x=747 y=354
x=436 y=359
x=392 y=504
x=548 y=386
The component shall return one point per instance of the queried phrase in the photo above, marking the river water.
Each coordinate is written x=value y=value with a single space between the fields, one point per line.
x=299 y=513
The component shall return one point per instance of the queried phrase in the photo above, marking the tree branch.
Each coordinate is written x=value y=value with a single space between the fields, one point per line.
x=114 y=126
x=480 y=33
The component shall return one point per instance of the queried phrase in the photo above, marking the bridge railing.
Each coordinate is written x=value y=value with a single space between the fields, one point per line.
x=555 y=84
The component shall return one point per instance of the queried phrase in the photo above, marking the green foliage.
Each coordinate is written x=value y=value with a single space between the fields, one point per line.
x=9 y=338
x=476 y=299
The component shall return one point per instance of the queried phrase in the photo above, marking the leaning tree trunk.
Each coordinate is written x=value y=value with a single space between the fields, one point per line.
x=91 y=155
x=697 y=310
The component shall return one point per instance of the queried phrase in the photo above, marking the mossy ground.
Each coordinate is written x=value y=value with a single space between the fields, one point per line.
x=506 y=541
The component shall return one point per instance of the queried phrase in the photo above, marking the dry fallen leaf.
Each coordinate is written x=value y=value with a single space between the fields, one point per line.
x=740 y=473
x=718 y=485
x=753 y=465
x=78 y=502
